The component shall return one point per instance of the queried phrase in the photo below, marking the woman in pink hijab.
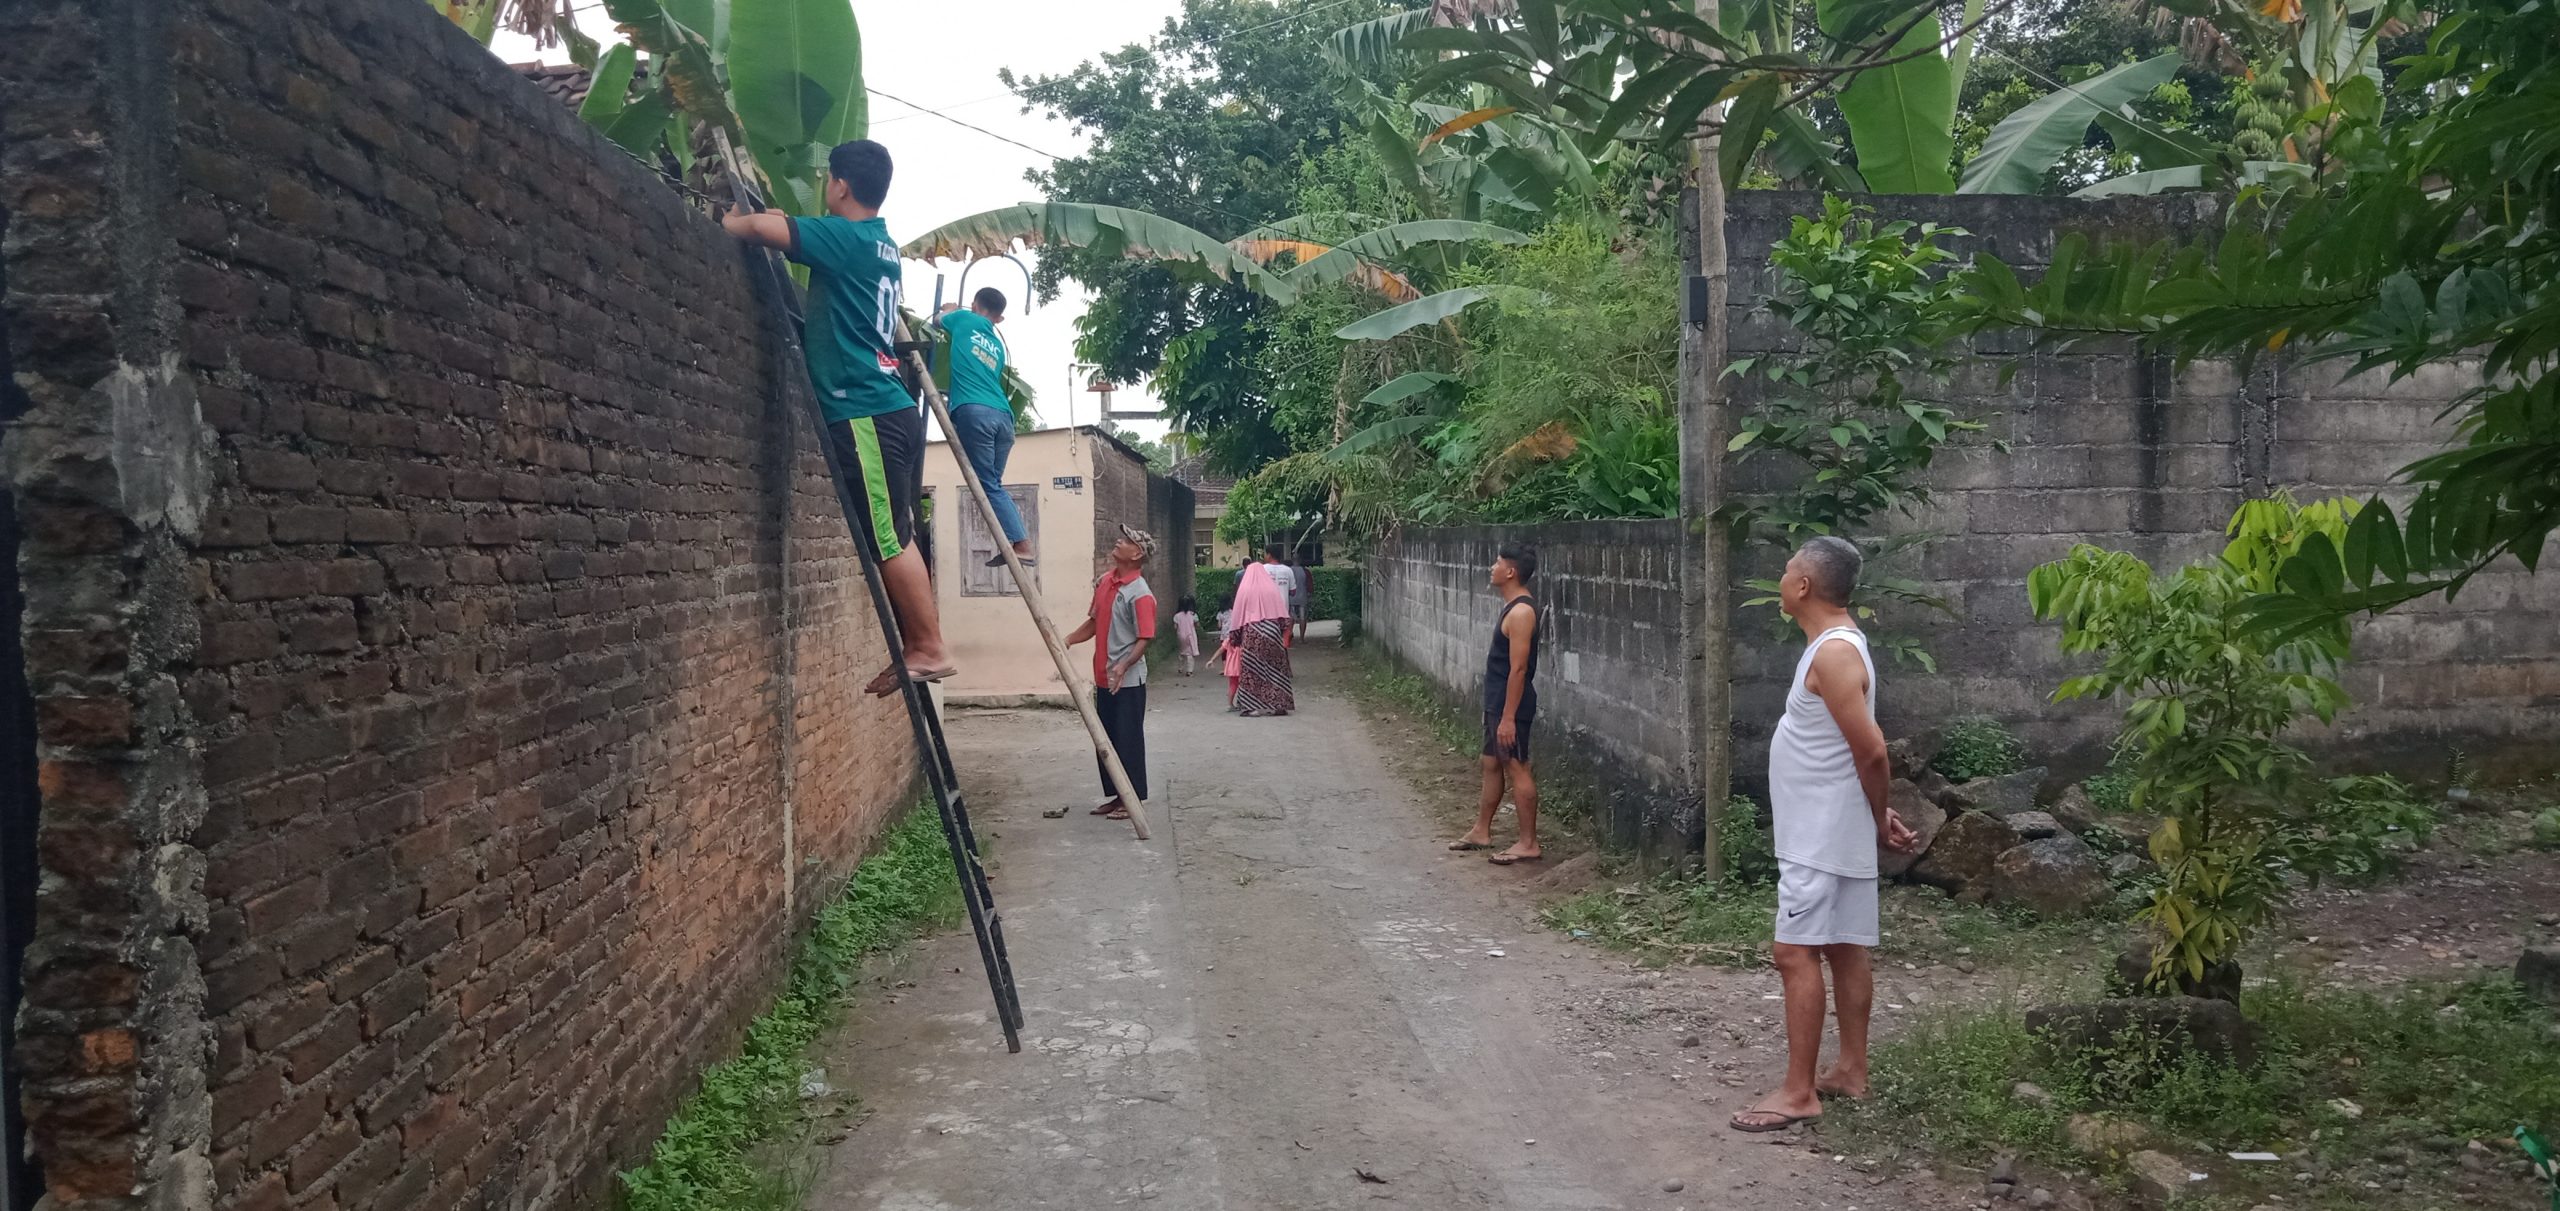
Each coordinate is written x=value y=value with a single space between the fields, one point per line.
x=1261 y=640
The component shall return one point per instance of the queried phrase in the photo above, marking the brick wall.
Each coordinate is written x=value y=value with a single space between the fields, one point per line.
x=446 y=639
x=1125 y=492
x=2107 y=447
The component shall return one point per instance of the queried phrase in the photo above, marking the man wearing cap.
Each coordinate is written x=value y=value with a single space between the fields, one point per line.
x=1124 y=617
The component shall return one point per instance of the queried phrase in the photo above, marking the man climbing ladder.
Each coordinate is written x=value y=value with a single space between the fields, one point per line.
x=851 y=345
x=979 y=408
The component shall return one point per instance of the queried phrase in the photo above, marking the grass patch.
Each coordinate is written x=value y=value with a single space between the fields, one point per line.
x=2428 y=1069
x=1686 y=920
x=707 y=1160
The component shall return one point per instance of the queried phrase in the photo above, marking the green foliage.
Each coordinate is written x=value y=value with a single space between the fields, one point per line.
x=2356 y=829
x=1336 y=592
x=2467 y=1062
x=1901 y=117
x=704 y=1160
x=795 y=72
x=2111 y=790
x=2546 y=828
x=2018 y=154
x=2424 y=242
x=1851 y=409
x=2206 y=699
x=1979 y=746
x=1749 y=847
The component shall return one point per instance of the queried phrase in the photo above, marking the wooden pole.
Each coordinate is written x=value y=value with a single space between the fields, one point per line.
x=1705 y=428
x=1076 y=689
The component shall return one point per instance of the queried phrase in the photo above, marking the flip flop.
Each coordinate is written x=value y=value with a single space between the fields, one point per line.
x=1781 y=1122
x=1117 y=813
x=1509 y=859
x=929 y=676
x=1464 y=846
x=1106 y=807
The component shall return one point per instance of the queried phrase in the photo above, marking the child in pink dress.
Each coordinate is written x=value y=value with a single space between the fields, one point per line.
x=1186 y=628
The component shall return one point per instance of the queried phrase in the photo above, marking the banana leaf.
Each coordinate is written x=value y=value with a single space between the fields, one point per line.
x=1429 y=309
x=795 y=67
x=1112 y=230
x=609 y=88
x=1902 y=117
x=2018 y=152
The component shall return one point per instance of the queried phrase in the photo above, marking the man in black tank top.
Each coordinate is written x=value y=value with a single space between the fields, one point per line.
x=1510 y=707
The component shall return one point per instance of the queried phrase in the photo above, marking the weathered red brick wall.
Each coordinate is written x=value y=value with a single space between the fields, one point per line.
x=446 y=638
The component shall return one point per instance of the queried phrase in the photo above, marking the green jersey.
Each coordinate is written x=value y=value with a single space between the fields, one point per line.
x=977 y=360
x=854 y=278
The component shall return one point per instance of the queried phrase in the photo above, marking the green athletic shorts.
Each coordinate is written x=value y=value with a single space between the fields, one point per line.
x=882 y=458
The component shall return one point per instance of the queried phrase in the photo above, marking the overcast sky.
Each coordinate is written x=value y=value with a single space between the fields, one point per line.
x=945 y=57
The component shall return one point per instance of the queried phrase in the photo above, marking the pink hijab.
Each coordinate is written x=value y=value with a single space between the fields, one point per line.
x=1259 y=598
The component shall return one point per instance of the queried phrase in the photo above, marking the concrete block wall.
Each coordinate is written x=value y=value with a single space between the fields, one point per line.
x=447 y=638
x=1611 y=594
x=2107 y=447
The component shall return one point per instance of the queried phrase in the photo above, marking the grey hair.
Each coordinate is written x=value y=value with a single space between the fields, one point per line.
x=1834 y=562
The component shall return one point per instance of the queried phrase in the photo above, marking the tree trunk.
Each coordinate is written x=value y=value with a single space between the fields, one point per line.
x=1705 y=428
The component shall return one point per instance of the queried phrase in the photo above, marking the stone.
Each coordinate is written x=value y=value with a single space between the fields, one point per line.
x=2104 y=1135
x=2040 y=1198
x=2176 y=1026
x=2057 y=876
x=2073 y=808
x=1960 y=859
x=1936 y=787
x=2128 y=865
x=2032 y=1094
x=2538 y=971
x=2036 y=826
x=2001 y=796
x=1926 y=818
x=1673 y=1185
x=2004 y=1169
x=2158 y=1177
x=1912 y=754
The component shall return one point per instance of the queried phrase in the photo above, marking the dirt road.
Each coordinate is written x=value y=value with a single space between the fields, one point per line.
x=1294 y=997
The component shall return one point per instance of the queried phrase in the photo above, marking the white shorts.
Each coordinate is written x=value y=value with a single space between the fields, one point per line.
x=1818 y=908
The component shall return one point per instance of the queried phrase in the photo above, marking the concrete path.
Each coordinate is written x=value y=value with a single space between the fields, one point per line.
x=1294 y=997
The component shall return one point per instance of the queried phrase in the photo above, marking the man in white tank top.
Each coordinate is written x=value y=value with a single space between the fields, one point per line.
x=1829 y=813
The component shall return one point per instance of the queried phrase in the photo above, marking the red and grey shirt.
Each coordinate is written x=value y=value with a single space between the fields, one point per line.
x=1124 y=620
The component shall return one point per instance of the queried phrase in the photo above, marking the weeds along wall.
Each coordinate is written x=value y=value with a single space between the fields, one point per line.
x=445 y=639
x=2107 y=446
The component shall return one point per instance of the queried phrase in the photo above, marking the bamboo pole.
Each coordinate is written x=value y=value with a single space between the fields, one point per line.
x=1076 y=689
x=1705 y=606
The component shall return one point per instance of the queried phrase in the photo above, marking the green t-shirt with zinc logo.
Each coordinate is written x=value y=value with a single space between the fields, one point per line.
x=977 y=360
x=850 y=340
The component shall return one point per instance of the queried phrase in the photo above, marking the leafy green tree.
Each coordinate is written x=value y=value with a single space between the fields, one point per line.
x=2432 y=243
x=1205 y=125
x=2207 y=698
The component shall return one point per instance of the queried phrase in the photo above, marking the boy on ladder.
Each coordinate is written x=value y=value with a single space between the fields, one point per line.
x=875 y=426
x=980 y=410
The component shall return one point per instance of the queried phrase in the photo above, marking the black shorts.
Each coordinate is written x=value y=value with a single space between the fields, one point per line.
x=1520 y=738
x=882 y=459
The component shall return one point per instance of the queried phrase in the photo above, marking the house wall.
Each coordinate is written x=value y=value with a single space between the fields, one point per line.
x=447 y=642
x=1086 y=486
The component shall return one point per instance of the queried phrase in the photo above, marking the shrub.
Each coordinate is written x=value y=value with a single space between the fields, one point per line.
x=1743 y=836
x=1979 y=746
x=2357 y=828
x=1337 y=593
x=2546 y=829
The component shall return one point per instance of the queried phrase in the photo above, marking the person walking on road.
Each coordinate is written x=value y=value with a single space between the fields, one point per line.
x=1510 y=707
x=1123 y=618
x=980 y=411
x=1261 y=641
x=1186 y=632
x=1830 y=814
x=1302 y=594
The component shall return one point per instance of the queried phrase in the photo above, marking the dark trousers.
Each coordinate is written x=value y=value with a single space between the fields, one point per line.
x=1124 y=719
